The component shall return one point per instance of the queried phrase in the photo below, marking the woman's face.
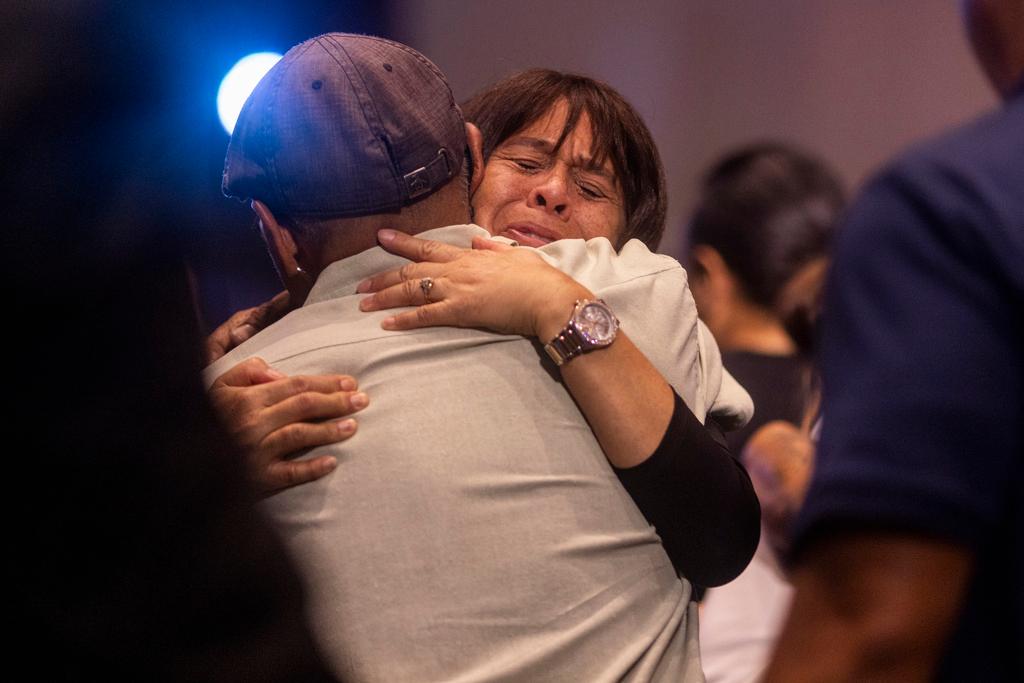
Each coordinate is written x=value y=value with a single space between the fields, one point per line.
x=534 y=194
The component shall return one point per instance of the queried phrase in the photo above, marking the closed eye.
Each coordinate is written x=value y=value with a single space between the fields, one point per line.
x=526 y=164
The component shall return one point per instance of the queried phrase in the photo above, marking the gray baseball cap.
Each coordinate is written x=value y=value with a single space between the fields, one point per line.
x=346 y=125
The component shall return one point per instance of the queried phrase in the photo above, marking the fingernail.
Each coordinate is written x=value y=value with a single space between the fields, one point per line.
x=366 y=304
x=348 y=384
x=347 y=426
x=276 y=374
x=363 y=287
x=360 y=400
x=385 y=235
x=388 y=323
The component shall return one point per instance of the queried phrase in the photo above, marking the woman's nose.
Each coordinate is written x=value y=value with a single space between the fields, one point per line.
x=551 y=194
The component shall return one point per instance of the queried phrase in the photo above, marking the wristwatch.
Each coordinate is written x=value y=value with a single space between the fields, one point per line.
x=591 y=326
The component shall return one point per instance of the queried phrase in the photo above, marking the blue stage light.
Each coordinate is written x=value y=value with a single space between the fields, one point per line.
x=239 y=83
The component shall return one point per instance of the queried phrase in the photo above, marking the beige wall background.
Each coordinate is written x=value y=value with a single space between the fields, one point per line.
x=853 y=80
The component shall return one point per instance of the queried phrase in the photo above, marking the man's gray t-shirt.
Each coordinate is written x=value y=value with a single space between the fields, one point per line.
x=473 y=529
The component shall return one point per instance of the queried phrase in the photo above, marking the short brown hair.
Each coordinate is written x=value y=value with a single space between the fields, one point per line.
x=619 y=134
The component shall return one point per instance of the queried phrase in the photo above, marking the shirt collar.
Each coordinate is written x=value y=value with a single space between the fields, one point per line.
x=341 y=277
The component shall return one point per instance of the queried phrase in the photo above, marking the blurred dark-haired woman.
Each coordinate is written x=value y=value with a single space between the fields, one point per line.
x=759 y=240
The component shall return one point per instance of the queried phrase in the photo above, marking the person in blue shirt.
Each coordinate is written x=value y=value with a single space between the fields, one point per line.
x=909 y=551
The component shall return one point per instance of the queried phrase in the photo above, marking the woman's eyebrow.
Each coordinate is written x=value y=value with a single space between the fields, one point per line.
x=539 y=144
x=587 y=163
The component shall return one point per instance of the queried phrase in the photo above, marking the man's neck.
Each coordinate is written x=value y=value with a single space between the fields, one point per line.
x=341 y=277
x=354 y=241
x=349 y=237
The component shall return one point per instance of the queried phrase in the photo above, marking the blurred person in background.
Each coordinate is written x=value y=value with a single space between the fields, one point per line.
x=760 y=237
x=139 y=553
x=759 y=244
x=909 y=551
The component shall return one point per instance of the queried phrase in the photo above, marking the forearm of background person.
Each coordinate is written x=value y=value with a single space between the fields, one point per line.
x=778 y=457
x=876 y=606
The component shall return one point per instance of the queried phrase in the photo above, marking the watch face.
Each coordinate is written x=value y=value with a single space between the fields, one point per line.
x=596 y=323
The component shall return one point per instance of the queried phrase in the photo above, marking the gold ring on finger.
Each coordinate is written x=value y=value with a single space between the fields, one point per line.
x=426 y=284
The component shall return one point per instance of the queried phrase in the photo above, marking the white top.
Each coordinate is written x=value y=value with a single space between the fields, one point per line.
x=740 y=621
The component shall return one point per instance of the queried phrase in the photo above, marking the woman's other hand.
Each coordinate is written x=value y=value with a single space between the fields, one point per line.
x=274 y=417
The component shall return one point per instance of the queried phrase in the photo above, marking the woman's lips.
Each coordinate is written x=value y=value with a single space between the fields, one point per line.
x=528 y=235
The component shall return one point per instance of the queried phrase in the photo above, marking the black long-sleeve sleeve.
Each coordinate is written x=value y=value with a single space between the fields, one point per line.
x=700 y=500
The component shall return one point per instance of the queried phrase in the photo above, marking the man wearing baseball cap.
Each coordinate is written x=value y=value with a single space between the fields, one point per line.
x=474 y=529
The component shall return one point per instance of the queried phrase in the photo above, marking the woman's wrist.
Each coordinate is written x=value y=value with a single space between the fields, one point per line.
x=556 y=308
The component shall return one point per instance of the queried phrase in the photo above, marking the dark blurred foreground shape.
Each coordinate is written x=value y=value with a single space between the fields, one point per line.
x=909 y=550
x=137 y=552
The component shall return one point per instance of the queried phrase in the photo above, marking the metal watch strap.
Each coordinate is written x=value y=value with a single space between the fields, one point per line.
x=566 y=346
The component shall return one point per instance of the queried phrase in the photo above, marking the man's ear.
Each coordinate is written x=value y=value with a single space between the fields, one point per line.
x=284 y=252
x=475 y=142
